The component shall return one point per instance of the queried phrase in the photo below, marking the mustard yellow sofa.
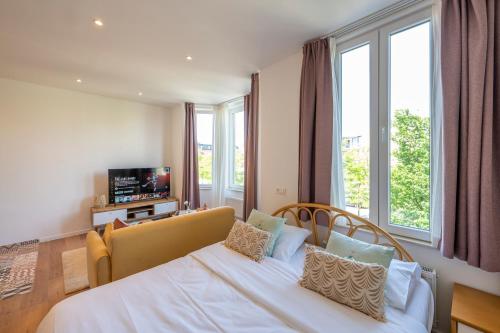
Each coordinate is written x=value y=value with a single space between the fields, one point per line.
x=140 y=247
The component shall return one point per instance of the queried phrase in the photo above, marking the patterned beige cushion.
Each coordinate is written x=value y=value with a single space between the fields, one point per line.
x=355 y=284
x=248 y=240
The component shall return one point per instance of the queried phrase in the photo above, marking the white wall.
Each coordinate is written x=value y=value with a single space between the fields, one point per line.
x=55 y=148
x=279 y=133
x=279 y=136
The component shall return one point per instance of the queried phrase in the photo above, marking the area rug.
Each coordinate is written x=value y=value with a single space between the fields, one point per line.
x=17 y=268
x=75 y=270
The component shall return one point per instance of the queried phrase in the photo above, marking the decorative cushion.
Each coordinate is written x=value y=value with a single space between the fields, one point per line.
x=402 y=279
x=118 y=224
x=272 y=224
x=288 y=242
x=351 y=248
x=355 y=284
x=248 y=240
x=108 y=229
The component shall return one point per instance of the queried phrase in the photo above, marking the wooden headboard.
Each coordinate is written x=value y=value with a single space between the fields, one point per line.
x=313 y=211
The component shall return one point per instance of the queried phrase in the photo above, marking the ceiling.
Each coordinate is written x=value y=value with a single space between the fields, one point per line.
x=143 y=45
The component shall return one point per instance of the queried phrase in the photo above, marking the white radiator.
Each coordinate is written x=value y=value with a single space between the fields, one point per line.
x=237 y=204
x=430 y=275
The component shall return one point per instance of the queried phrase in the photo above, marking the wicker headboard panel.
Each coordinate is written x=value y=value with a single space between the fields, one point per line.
x=313 y=211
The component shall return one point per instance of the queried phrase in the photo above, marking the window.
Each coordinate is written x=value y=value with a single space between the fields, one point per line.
x=409 y=127
x=205 y=138
x=236 y=145
x=385 y=102
x=355 y=105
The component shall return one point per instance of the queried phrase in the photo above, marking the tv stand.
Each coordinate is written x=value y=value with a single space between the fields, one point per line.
x=134 y=212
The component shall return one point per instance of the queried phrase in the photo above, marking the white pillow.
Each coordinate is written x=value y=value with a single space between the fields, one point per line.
x=401 y=281
x=290 y=239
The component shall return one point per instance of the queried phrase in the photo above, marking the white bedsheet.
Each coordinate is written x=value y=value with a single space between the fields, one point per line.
x=213 y=290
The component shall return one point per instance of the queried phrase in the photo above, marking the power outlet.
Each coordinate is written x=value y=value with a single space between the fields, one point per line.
x=280 y=191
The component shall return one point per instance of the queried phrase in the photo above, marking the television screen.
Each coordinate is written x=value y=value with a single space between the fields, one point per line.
x=127 y=185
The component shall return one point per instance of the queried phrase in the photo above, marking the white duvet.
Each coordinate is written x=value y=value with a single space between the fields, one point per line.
x=214 y=290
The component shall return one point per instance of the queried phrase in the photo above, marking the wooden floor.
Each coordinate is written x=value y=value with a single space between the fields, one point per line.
x=22 y=313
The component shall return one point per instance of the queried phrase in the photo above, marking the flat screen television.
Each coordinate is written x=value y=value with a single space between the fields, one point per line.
x=128 y=185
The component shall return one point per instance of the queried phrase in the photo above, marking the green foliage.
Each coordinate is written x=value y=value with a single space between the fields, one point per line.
x=205 y=167
x=410 y=170
x=356 y=174
x=239 y=167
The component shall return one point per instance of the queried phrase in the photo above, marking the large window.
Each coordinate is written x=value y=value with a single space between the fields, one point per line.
x=205 y=138
x=355 y=99
x=409 y=145
x=385 y=85
x=236 y=145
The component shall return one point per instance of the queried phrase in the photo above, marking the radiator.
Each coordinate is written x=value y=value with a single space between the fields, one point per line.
x=237 y=204
x=430 y=275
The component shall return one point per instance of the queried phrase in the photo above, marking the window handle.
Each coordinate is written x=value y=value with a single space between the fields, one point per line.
x=382 y=134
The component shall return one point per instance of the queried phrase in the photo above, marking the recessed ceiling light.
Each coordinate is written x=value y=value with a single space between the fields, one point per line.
x=139 y=93
x=98 y=22
x=189 y=58
x=78 y=80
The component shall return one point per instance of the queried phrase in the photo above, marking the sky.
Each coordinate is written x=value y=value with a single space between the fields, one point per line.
x=204 y=131
x=409 y=79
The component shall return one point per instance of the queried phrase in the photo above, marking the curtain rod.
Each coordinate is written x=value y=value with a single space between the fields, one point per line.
x=367 y=20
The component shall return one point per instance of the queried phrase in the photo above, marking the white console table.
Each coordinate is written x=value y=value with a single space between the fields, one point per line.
x=134 y=211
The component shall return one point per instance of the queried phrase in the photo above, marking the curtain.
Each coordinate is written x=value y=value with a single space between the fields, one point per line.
x=190 y=183
x=251 y=120
x=220 y=153
x=436 y=130
x=337 y=190
x=471 y=117
x=316 y=121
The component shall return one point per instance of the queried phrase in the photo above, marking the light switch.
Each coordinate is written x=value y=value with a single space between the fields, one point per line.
x=280 y=191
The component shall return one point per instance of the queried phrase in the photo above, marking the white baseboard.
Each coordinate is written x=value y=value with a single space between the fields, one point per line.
x=67 y=234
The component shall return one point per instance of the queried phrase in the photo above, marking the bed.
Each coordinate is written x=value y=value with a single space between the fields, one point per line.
x=215 y=289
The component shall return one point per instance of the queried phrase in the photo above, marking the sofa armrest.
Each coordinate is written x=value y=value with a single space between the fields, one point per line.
x=98 y=261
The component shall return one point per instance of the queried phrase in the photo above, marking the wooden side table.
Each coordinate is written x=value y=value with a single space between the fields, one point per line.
x=474 y=310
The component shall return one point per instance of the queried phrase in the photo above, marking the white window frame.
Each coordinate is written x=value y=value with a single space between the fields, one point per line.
x=378 y=38
x=384 y=121
x=370 y=38
x=208 y=109
x=233 y=107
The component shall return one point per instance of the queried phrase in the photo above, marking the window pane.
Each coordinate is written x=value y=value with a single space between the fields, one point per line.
x=238 y=149
x=356 y=128
x=410 y=127
x=204 y=135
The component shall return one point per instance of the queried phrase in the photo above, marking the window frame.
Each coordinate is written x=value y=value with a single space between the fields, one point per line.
x=233 y=107
x=371 y=39
x=378 y=37
x=206 y=109
x=385 y=33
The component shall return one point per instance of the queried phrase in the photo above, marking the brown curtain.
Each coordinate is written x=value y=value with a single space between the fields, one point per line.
x=316 y=123
x=471 y=118
x=251 y=116
x=190 y=183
